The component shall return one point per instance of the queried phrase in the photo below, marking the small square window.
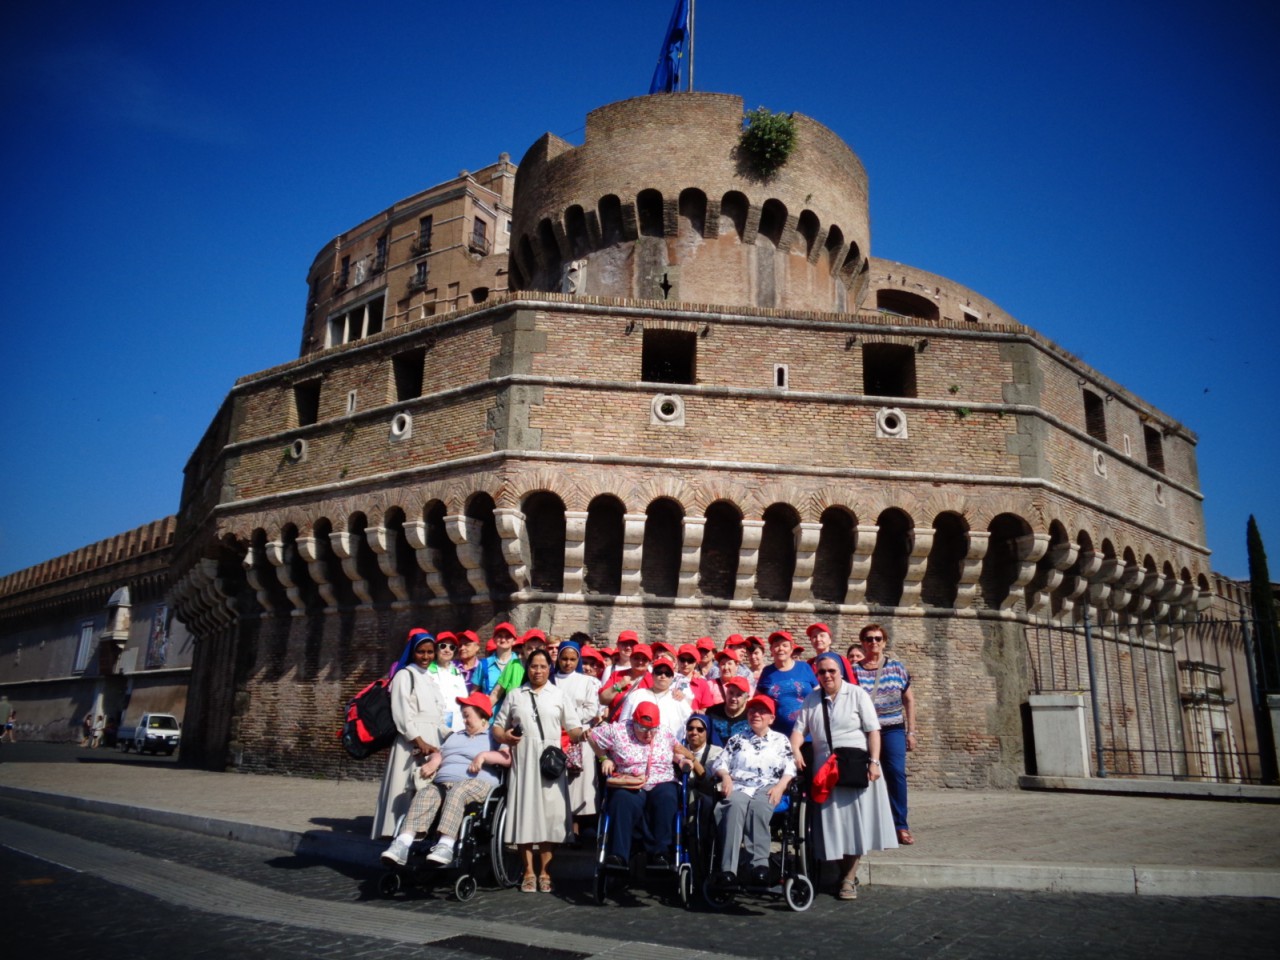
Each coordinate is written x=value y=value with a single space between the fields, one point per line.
x=306 y=400
x=888 y=370
x=407 y=372
x=669 y=356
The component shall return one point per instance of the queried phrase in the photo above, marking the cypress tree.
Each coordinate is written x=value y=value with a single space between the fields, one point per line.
x=1264 y=611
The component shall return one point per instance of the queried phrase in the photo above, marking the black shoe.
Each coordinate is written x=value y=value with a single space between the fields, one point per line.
x=659 y=861
x=760 y=876
x=614 y=860
x=726 y=880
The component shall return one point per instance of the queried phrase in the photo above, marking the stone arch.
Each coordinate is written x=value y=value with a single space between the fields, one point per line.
x=905 y=303
x=831 y=495
x=704 y=494
x=551 y=257
x=834 y=249
x=734 y=208
x=852 y=260
x=833 y=560
x=890 y=557
x=528 y=262
x=1000 y=566
x=271 y=592
x=544 y=523
x=693 y=211
x=663 y=545
x=721 y=548
x=363 y=559
x=666 y=486
x=649 y=212
x=612 y=229
x=946 y=559
x=807 y=229
x=441 y=546
x=773 y=221
x=777 y=567
x=402 y=554
x=575 y=228
x=602 y=550
x=480 y=508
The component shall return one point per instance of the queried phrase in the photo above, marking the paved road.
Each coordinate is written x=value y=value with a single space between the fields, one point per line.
x=262 y=903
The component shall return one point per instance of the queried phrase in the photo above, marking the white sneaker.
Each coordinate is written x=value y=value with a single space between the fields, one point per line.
x=397 y=854
x=441 y=854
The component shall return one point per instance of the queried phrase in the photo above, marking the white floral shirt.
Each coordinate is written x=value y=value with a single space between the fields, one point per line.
x=753 y=762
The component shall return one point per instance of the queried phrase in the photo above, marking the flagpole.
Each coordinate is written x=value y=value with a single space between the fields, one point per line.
x=693 y=11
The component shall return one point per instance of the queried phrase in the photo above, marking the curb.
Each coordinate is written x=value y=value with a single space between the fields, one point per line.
x=1132 y=879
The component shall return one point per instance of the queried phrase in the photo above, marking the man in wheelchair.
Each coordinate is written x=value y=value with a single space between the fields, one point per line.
x=754 y=770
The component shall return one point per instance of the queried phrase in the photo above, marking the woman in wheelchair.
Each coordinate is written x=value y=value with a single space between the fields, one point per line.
x=637 y=757
x=463 y=771
x=754 y=770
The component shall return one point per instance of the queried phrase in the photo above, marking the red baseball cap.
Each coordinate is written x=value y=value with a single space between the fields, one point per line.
x=779 y=635
x=642 y=650
x=705 y=643
x=735 y=640
x=664 y=660
x=688 y=650
x=813 y=628
x=797 y=648
x=490 y=645
x=533 y=633
x=729 y=655
x=592 y=653
x=740 y=683
x=646 y=715
x=628 y=636
x=506 y=628
x=478 y=700
x=468 y=636
x=444 y=635
x=663 y=645
x=763 y=703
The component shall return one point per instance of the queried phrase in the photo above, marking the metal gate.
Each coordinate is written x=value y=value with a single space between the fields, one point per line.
x=1173 y=699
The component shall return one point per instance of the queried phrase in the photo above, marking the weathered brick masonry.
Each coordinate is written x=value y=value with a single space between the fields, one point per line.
x=688 y=402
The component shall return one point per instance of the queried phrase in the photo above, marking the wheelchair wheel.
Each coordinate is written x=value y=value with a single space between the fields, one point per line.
x=389 y=884
x=799 y=893
x=716 y=898
x=504 y=858
x=807 y=859
x=600 y=885
x=684 y=882
x=465 y=887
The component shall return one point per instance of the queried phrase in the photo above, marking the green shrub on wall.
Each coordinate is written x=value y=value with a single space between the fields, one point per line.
x=768 y=139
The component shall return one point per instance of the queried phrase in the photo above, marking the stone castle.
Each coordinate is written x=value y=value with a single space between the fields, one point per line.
x=634 y=384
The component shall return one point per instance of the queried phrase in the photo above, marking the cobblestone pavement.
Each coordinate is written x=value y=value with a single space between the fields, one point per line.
x=79 y=910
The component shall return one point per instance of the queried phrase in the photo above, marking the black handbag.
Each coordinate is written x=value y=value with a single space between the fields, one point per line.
x=553 y=761
x=853 y=763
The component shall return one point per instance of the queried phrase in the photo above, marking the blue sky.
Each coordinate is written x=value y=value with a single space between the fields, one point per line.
x=1104 y=171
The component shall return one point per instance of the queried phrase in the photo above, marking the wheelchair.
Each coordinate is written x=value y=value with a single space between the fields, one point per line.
x=478 y=855
x=609 y=879
x=792 y=866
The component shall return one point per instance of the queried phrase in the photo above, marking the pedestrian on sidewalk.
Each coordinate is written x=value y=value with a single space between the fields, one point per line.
x=10 y=726
x=889 y=684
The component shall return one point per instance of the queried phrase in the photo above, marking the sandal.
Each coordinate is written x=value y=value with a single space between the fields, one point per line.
x=905 y=838
x=848 y=890
x=544 y=884
x=529 y=884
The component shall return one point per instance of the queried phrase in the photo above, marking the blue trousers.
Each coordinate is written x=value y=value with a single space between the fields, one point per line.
x=893 y=764
x=654 y=809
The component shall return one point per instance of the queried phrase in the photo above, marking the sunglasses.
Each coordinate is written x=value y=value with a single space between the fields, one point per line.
x=828 y=673
x=873 y=639
x=446 y=645
x=688 y=660
x=663 y=673
x=694 y=728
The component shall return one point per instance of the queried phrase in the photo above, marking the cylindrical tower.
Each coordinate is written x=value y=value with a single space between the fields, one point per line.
x=661 y=203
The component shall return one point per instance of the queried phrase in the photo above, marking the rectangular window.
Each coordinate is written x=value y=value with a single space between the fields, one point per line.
x=1095 y=416
x=344 y=275
x=85 y=648
x=406 y=373
x=669 y=356
x=362 y=320
x=479 y=236
x=306 y=401
x=888 y=370
x=423 y=243
x=352 y=398
x=1155 y=447
x=380 y=255
x=780 y=376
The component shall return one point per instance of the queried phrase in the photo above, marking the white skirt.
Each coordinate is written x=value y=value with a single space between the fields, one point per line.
x=852 y=822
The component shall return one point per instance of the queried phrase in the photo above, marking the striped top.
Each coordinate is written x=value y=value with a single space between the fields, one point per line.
x=888 y=695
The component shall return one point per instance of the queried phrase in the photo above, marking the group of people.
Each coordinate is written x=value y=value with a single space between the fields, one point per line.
x=742 y=722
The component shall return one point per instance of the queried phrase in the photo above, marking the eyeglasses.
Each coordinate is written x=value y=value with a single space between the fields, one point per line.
x=828 y=673
x=873 y=639
x=446 y=645
x=663 y=673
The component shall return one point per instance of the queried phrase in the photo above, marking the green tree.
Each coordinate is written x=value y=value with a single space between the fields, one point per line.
x=1264 y=612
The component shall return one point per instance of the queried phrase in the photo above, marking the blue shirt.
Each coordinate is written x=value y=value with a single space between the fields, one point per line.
x=787 y=688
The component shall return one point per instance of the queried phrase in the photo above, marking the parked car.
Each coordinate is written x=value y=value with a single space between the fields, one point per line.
x=155 y=732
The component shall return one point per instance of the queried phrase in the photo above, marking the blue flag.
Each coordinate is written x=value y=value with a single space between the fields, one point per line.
x=666 y=75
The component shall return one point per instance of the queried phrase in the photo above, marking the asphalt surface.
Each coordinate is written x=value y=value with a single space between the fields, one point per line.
x=210 y=897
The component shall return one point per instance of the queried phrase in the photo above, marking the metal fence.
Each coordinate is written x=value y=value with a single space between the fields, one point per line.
x=1172 y=699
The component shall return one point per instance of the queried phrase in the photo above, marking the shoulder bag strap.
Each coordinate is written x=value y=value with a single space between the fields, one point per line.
x=826 y=719
x=537 y=717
